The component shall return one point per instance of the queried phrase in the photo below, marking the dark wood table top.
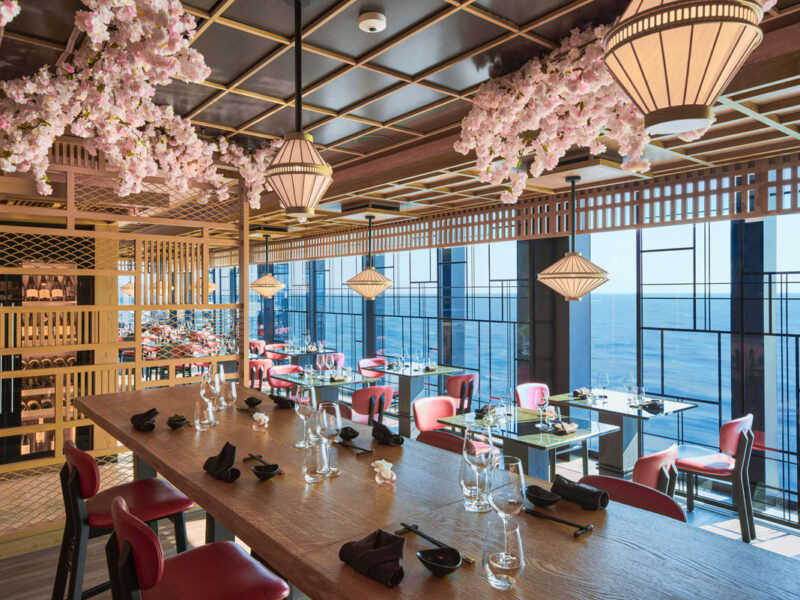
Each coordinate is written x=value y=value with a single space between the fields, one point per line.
x=299 y=528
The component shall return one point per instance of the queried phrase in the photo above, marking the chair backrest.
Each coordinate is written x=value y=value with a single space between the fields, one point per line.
x=657 y=470
x=380 y=396
x=282 y=370
x=462 y=387
x=344 y=411
x=443 y=440
x=729 y=434
x=365 y=363
x=636 y=495
x=274 y=355
x=529 y=395
x=338 y=361
x=258 y=369
x=257 y=346
x=88 y=473
x=148 y=555
x=427 y=411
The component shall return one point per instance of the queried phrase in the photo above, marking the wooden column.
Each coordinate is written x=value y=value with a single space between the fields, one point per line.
x=244 y=288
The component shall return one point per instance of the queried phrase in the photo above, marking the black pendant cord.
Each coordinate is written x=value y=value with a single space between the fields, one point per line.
x=573 y=179
x=298 y=66
x=369 y=240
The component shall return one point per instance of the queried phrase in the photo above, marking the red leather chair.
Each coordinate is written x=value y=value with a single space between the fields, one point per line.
x=88 y=515
x=461 y=388
x=276 y=384
x=658 y=471
x=637 y=495
x=220 y=570
x=258 y=372
x=274 y=356
x=443 y=440
x=731 y=463
x=365 y=363
x=428 y=411
x=371 y=401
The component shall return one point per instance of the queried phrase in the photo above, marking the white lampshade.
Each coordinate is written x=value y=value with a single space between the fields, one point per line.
x=129 y=288
x=267 y=286
x=369 y=283
x=299 y=175
x=573 y=276
x=675 y=57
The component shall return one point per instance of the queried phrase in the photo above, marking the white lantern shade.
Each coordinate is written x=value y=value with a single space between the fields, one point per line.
x=299 y=175
x=573 y=276
x=370 y=283
x=267 y=286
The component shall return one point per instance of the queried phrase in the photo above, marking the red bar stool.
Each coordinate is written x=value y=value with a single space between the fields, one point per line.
x=88 y=515
x=731 y=463
x=220 y=570
x=371 y=401
x=658 y=471
x=258 y=372
x=636 y=495
x=428 y=411
x=461 y=388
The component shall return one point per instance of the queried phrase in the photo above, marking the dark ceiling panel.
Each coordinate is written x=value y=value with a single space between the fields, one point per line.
x=450 y=37
x=277 y=78
x=336 y=130
x=18 y=59
x=398 y=103
x=233 y=110
x=438 y=117
x=283 y=121
x=183 y=96
x=495 y=62
x=46 y=19
x=375 y=141
x=343 y=35
x=206 y=5
x=349 y=89
x=276 y=16
x=250 y=141
x=599 y=12
x=521 y=13
x=333 y=157
x=229 y=52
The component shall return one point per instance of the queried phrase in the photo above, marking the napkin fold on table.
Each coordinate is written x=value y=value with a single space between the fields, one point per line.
x=145 y=421
x=383 y=435
x=378 y=556
x=282 y=401
x=221 y=465
x=564 y=428
x=588 y=497
x=582 y=393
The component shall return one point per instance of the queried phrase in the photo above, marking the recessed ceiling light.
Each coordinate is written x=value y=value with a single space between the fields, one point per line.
x=372 y=22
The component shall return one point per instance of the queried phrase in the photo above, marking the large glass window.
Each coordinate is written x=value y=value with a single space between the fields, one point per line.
x=291 y=316
x=338 y=310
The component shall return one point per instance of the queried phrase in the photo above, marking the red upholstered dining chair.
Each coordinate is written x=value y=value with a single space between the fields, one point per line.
x=461 y=388
x=219 y=570
x=731 y=463
x=274 y=356
x=443 y=440
x=258 y=372
x=365 y=363
x=369 y=402
x=257 y=347
x=636 y=495
x=658 y=471
x=88 y=515
x=428 y=411
x=277 y=384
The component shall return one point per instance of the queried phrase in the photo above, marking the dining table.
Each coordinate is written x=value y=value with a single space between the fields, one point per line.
x=619 y=452
x=301 y=355
x=326 y=388
x=298 y=528
x=536 y=447
x=411 y=383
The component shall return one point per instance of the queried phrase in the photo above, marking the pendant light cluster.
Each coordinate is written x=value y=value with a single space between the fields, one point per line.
x=267 y=285
x=675 y=57
x=298 y=173
x=573 y=276
x=370 y=283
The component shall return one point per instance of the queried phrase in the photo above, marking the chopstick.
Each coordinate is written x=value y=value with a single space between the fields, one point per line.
x=415 y=529
x=579 y=529
x=358 y=449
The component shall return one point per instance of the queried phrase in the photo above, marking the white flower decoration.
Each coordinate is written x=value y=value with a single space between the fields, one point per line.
x=383 y=472
x=261 y=419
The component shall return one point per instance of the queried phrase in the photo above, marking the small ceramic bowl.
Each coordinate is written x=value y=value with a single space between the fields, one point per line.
x=440 y=561
x=252 y=401
x=540 y=496
x=348 y=433
x=177 y=421
x=265 y=472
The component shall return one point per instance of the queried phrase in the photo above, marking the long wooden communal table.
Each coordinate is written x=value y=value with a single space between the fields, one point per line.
x=299 y=528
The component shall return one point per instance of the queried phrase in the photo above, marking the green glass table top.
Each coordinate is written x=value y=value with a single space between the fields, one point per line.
x=416 y=370
x=617 y=403
x=302 y=351
x=317 y=380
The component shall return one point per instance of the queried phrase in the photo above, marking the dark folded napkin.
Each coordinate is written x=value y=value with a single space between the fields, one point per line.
x=481 y=412
x=383 y=435
x=221 y=465
x=582 y=393
x=378 y=556
x=145 y=421
x=588 y=497
x=653 y=407
x=430 y=368
x=282 y=401
x=348 y=433
x=562 y=428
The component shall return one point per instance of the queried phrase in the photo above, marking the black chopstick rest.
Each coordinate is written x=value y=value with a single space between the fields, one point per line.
x=221 y=466
x=383 y=435
x=588 y=497
x=378 y=556
x=145 y=421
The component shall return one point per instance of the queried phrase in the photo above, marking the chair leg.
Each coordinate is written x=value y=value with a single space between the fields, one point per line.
x=689 y=492
x=585 y=457
x=62 y=569
x=78 y=564
x=738 y=499
x=179 y=522
x=748 y=502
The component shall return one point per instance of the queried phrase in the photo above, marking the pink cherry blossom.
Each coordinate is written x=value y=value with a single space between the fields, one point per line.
x=8 y=10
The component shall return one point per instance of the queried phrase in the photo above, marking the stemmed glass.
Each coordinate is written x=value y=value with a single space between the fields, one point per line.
x=330 y=362
x=307 y=339
x=506 y=498
x=320 y=362
x=304 y=405
x=601 y=381
x=543 y=402
x=329 y=426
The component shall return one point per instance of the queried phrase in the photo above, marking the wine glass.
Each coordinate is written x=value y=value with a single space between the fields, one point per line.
x=329 y=426
x=478 y=447
x=320 y=362
x=307 y=339
x=228 y=393
x=508 y=486
x=601 y=382
x=305 y=405
x=503 y=556
x=330 y=361
x=475 y=486
x=543 y=402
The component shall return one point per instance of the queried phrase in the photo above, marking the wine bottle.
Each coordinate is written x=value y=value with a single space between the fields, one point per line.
x=44 y=289
x=57 y=292
x=31 y=291
x=69 y=289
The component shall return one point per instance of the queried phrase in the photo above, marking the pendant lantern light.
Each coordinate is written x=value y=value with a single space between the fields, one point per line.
x=298 y=173
x=370 y=283
x=675 y=57
x=267 y=285
x=573 y=276
x=128 y=289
